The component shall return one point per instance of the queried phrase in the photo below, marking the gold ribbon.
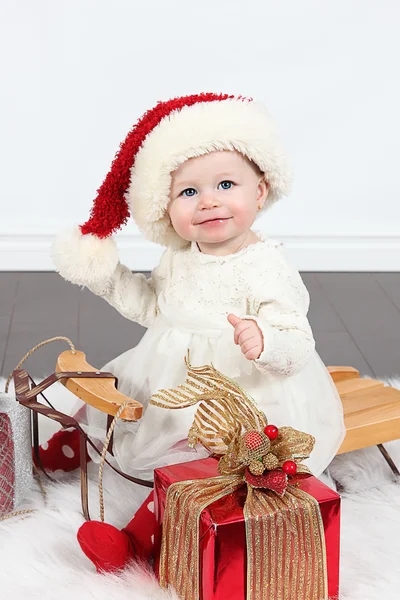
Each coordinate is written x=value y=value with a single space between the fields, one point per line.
x=285 y=540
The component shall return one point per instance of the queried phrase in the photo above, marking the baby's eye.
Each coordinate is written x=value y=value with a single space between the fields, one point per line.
x=189 y=194
x=226 y=185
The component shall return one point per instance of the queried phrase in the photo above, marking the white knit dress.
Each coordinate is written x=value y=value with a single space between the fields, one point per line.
x=185 y=305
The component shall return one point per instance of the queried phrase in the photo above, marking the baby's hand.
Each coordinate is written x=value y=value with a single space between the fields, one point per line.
x=248 y=335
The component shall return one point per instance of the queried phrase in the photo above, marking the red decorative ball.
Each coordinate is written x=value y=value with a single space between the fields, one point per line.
x=289 y=467
x=271 y=432
x=253 y=440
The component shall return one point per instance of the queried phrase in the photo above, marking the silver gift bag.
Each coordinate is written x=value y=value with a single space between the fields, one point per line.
x=16 y=466
x=16 y=476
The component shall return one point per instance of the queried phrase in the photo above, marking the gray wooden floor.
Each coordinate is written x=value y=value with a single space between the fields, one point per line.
x=355 y=318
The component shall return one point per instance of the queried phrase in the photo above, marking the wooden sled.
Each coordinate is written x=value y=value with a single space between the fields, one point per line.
x=371 y=408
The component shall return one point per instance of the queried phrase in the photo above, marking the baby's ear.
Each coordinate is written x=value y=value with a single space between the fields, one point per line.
x=263 y=191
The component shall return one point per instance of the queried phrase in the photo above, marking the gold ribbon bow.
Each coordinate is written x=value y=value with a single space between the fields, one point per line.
x=284 y=530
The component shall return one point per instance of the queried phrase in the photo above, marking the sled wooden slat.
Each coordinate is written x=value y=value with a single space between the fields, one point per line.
x=100 y=393
x=375 y=425
x=357 y=387
x=378 y=397
x=343 y=373
x=371 y=409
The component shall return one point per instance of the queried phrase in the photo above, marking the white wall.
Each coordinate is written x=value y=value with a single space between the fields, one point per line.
x=77 y=74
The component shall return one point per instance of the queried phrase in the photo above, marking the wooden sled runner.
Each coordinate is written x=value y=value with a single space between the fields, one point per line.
x=371 y=408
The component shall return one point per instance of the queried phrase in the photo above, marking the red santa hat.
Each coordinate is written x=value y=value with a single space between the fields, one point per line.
x=139 y=180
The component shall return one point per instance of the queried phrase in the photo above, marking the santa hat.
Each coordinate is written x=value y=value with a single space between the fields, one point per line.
x=139 y=180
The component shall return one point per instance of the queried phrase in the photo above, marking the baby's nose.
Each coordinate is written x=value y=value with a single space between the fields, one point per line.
x=208 y=200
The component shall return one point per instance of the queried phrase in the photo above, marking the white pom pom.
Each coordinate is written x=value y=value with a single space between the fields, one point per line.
x=84 y=259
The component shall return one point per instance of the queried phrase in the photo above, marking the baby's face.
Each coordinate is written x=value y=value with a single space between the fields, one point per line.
x=215 y=198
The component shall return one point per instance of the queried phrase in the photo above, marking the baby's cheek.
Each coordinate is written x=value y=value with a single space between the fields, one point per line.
x=244 y=216
x=181 y=222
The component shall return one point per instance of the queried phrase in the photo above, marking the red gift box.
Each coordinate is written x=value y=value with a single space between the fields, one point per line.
x=222 y=535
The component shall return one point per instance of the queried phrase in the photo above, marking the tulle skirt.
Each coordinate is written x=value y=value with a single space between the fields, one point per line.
x=307 y=400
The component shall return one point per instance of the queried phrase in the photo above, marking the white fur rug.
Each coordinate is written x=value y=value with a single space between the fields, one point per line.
x=41 y=559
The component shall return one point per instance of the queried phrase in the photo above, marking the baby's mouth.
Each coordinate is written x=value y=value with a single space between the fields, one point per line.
x=215 y=220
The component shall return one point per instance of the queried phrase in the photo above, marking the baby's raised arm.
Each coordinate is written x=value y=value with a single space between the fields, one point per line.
x=131 y=294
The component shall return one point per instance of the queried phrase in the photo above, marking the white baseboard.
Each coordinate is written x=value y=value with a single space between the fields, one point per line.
x=308 y=253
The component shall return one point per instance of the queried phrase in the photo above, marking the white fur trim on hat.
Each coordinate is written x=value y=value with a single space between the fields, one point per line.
x=84 y=259
x=234 y=124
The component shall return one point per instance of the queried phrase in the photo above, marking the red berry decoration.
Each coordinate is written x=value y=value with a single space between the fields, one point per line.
x=271 y=431
x=253 y=440
x=289 y=467
x=275 y=480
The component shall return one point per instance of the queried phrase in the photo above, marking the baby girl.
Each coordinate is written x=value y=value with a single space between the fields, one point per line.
x=194 y=173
